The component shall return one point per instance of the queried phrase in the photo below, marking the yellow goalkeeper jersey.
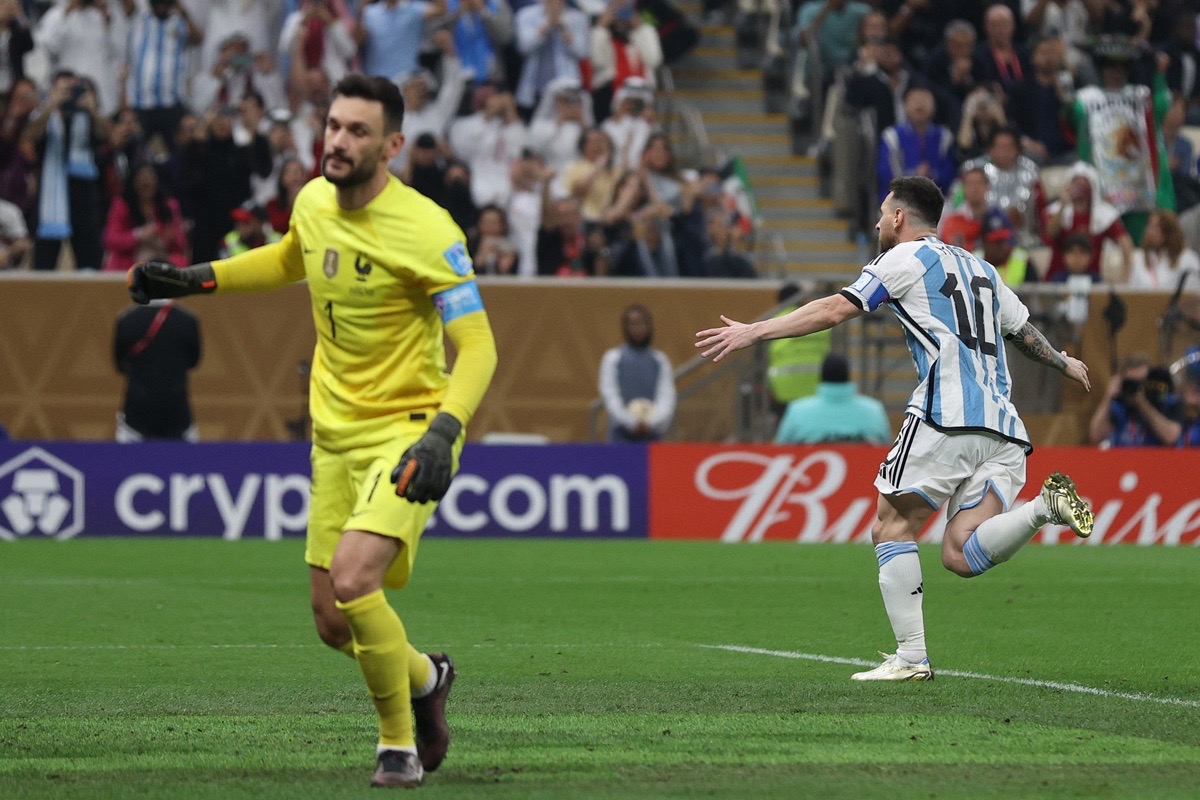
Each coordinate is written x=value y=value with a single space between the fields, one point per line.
x=384 y=279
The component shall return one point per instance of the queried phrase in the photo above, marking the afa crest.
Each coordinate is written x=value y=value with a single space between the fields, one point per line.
x=331 y=262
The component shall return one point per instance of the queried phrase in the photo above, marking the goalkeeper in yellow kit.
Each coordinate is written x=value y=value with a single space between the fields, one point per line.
x=388 y=272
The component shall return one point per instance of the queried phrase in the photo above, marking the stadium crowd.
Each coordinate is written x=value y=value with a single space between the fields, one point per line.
x=185 y=129
x=1056 y=127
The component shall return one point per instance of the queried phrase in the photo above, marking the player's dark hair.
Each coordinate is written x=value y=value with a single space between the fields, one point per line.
x=919 y=196
x=379 y=89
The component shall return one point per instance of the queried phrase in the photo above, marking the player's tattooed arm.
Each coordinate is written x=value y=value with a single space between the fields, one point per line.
x=1032 y=344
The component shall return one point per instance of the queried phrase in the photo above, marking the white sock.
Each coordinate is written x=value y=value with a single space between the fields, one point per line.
x=380 y=749
x=998 y=539
x=430 y=682
x=903 y=595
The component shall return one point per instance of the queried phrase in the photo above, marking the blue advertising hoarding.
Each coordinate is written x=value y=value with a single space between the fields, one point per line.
x=67 y=489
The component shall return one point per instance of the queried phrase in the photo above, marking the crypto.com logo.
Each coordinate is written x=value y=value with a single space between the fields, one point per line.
x=40 y=494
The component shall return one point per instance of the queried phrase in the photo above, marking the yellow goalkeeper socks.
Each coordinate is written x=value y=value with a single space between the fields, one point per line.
x=382 y=649
x=422 y=677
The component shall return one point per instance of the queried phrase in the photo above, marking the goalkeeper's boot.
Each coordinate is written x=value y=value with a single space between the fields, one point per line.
x=429 y=713
x=398 y=768
x=895 y=668
x=1065 y=505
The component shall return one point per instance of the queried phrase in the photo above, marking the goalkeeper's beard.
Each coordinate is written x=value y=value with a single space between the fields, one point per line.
x=358 y=174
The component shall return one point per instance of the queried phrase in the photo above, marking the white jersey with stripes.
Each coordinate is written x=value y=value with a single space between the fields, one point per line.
x=955 y=310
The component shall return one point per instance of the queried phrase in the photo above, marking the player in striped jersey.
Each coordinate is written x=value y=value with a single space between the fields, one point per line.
x=962 y=443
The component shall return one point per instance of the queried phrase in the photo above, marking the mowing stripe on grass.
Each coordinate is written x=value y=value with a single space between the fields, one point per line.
x=862 y=662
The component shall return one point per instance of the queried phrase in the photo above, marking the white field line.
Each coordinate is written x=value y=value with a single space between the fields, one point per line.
x=862 y=662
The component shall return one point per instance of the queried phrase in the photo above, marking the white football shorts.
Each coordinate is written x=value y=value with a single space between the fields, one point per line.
x=955 y=467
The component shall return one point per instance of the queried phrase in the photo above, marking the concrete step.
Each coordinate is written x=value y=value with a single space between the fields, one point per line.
x=716 y=81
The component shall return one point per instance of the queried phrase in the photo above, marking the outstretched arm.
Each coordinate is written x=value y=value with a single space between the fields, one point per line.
x=1032 y=344
x=819 y=315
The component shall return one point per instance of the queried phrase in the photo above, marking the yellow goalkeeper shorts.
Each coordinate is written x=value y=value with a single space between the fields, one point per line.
x=354 y=491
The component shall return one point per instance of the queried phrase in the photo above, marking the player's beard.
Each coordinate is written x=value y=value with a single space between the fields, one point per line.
x=887 y=240
x=359 y=173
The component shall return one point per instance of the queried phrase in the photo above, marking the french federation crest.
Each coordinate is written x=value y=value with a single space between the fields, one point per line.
x=331 y=262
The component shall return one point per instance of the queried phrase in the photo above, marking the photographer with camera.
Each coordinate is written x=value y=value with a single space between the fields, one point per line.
x=1137 y=409
x=68 y=130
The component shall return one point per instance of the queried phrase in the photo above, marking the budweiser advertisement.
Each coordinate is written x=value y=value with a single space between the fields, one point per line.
x=754 y=493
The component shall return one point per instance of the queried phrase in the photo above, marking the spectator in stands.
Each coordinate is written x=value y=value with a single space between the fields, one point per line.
x=553 y=38
x=637 y=382
x=292 y=178
x=1181 y=157
x=1080 y=209
x=879 y=83
x=88 y=39
x=1183 y=75
x=962 y=225
x=489 y=141
x=651 y=251
x=250 y=230
x=833 y=24
x=15 y=244
x=258 y=21
x=524 y=211
x=282 y=148
x=430 y=105
x=592 y=177
x=1118 y=128
x=17 y=41
x=562 y=243
x=224 y=168
x=982 y=116
x=999 y=59
x=23 y=100
x=390 y=34
x=794 y=363
x=426 y=168
x=836 y=413
x=1164 y=257
x=482 y=31
x=1077 y=252
x=623 y=46
x=314 y=38
x=632 y=121
x=124 y=149
x=157 y=81
x=1048 y=19
x=951 y=71
x=1189 y=411
x=1136 y=409
x=629 y=197
x=999 y=248
x=144 y=223
x=236 y=72
x=1037 y=105
x=68 y=131
x=563 y=115
x=177 y=172
x=18 y=157
x=918 y=25
x=154 y=347
x=491 y=249
x=458 y=194
x=723 y=259
x=1013 y=184
x=309 y=108
x=916 y=147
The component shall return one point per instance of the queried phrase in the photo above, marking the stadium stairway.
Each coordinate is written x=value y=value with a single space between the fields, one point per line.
x=801 y=237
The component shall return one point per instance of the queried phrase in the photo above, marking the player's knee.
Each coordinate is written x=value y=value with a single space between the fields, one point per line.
x=350 y=584
x=956 y=562
x=331 y=627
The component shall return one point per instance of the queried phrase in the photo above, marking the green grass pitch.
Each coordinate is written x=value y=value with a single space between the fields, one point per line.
x=189 y=668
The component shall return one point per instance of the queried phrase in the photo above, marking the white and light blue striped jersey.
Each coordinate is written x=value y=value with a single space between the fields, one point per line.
x=955 y=310
x=156 y=64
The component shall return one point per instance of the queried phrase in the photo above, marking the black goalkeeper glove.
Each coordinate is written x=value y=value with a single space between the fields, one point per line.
x=155 y=280
x=423 y=473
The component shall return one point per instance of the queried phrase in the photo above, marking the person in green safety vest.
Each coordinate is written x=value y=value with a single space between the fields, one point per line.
x=998 y=249
x=250 y=230
x=794 y=365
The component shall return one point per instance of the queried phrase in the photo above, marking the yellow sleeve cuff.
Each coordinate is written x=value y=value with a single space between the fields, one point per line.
x=473 y=367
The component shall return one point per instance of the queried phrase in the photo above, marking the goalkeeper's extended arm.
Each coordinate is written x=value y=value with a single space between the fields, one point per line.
x=156 y=280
